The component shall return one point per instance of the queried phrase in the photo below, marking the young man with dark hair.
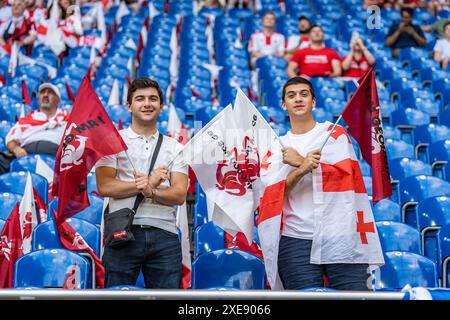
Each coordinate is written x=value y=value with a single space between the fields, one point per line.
x=316 y=60
x=442 y=48
x=156 y=249
x=266 y=42
x=319 y=235
x=300 y=40
x=405 y=34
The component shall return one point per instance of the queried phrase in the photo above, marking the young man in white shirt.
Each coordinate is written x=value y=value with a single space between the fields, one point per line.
x=300 y=217
x=156 y=249
x=266 y=42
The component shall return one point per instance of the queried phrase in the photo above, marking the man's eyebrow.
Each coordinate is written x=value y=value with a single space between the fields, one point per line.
x=301 y=91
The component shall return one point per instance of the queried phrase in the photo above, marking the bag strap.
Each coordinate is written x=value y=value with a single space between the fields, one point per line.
x=140 y=196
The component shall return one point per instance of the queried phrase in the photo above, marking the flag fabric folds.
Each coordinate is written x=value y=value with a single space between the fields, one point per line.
x=363 y=117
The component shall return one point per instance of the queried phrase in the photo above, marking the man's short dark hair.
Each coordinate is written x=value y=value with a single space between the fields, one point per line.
x=408 y=10
x=143 y=83
x=269 y=12
x=316 y=26
x=445 y=25
x=304 y=18
x=298 y=80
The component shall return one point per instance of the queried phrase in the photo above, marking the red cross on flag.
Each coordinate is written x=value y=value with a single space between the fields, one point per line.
x=363 y=227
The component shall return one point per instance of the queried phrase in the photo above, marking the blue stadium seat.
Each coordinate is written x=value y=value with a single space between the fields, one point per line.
x=404 y=268
x=426 y=134
x=7 y=202
x=46 y=237
x=391 y=133
x=92 y=214
x=407 y=119
x=438 y=154
x=208 y=237
x=387 y=210
x=396 y=236
x=5 y=126
x=49 y=269
x=432 y=214
x=231 y=268
x=15 y=182
x=444 y=253
x=401 y=168
x=28 y=163
x=399 y=149
x=2 y=224
x=417 y=188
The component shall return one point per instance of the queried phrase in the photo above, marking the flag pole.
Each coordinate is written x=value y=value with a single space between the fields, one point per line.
x=331 y=132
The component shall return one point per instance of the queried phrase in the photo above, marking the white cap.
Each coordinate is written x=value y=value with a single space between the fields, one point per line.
x=48 y=85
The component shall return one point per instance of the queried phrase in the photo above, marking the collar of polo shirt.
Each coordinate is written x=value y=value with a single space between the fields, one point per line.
x=133 y=135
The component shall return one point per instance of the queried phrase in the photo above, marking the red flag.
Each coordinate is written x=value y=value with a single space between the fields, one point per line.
x=362 y=115
x=72 y=278
x=240 y=242
x=11 y=247
x=25 y=94
x=89 y=135
x=70 y=93
x=72 y=240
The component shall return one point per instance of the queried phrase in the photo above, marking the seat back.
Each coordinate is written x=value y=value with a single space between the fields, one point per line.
x=402 y=268
x=15 y=182
x=396 y=236
x=50 y=268
x=28 y=163
x=7 y=202
x=208 y=237
x=387 y=210
x=92 y=214
x=46 y=237
x=228 y=268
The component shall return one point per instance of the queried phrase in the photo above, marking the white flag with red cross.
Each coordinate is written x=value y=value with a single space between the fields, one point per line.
x=28 y=215
x=345 y=226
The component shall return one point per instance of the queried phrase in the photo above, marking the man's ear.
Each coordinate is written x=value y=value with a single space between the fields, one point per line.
x=314 y=103
x=283 y=105
x=128 y=107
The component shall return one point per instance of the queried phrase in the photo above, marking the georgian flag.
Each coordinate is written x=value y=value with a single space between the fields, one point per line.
x=28 y=215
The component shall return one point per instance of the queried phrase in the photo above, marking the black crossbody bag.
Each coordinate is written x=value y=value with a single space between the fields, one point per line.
x=118 y=223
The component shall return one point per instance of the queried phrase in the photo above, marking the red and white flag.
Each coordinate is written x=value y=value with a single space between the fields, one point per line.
x=89 y=135
x=43 y=169
x=175 y=128
x=28 y=215
x=182 y=224
x=11 y=247
x=73 y=278
x=72 y=240
x=114 y=94
x=363 y=117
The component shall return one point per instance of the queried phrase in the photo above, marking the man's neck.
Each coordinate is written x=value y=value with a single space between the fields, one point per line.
x=268 y=31
x=146 y=130
x=49 y=112
x=317 y=45
x=301 y=126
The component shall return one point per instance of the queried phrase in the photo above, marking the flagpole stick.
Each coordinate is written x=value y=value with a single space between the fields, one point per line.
x=331 y=132
x=128 y=157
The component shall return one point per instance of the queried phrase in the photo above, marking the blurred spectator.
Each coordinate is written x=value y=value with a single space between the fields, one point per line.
x=437 y=5
x=317 y=60
x=405 y=34
x=211 y=4
x=230 y=4
x=442 y=48
x=266 y=42
x=40 y=131
x=18 y=28
x=358 y=61
x=437 y=27
x=5 y=11
x=35 y=13
x=301 y=40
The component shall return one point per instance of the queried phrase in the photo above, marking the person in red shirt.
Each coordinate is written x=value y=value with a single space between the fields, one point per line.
x=317 y=60
x=358 y=61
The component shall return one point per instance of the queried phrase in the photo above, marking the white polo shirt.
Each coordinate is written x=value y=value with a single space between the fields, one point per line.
x=140 y=151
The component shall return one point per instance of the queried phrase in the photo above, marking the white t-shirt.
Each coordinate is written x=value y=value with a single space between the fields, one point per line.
x=5 y=14
x=443 y=47
x=298 y=209
x=294 y=41
x=267 y=45
x=140 y=151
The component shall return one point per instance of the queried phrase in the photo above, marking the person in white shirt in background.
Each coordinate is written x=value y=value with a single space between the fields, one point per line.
x=442 y=48
x=300 y=40
x=266 y=42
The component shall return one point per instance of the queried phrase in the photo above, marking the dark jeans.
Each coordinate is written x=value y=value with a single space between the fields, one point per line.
x=157 y=252
x=296 y=271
